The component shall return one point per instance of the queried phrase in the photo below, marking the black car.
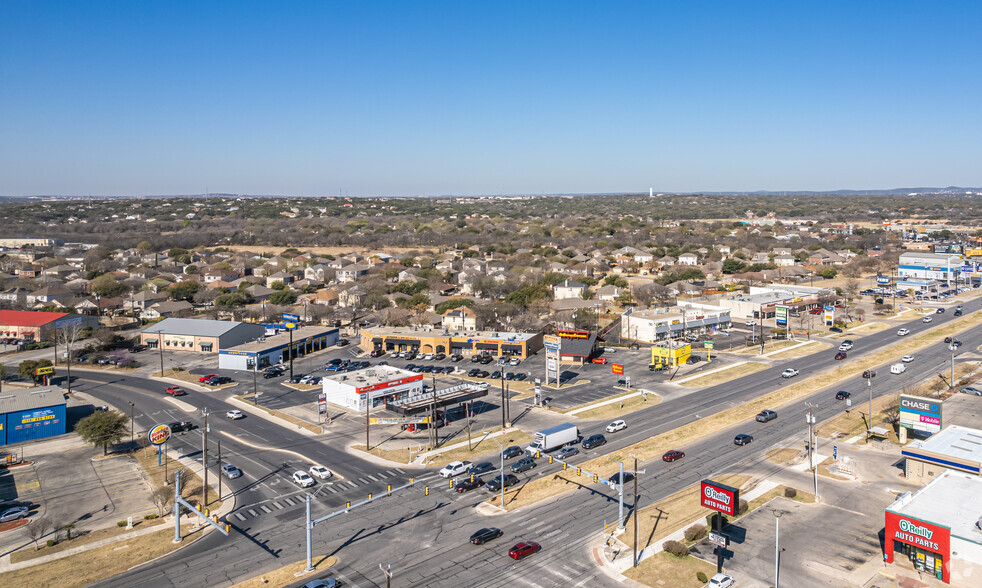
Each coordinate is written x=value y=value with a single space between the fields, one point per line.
x=473 y=373
x=842 y=395
x=456 y=357
x=272 y=373
x=439 y=356
x=480 y=468
x=217 y=380
x=476 y=358
x=835 y=329
x=958 y=312
x=377 y=353
x=180 y=426
x=296 y=378
x=138 y=348
x=509 y=376
x=521 y=376
x=484 y=535
x=523 y=465
x=495 y=483
x=512 y=451
x=486 y=360
x=467 y=485
x=743 y=439
x=939 y=311
x=594 y=441
x=495 y=375
x=342 y=342
x=448 y=369
x=483 y=374
x=615 y=479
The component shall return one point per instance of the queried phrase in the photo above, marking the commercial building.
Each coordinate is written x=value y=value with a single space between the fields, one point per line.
x=28 y=414
x=429 y=340
x=577 y=347
x=937 y=528
x=762 y=301
x=669 y=355
x=199 y=335
x=661 y=324
x=40 y=326
x=377 y=385
x=274 y=349
x=934 y=266
x=953 y=448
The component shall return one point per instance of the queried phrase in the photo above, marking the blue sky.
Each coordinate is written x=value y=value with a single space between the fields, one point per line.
x=406 y=98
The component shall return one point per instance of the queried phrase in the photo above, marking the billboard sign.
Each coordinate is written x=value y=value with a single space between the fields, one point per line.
x=617 y=368
x=719 y=497
x=781 y=315
x=293 y=318
x=883 y=279
x=829 y=315
x=158 y=435
x=38 y=416
x=574 y=334
x=920 y=414
x=45 y=371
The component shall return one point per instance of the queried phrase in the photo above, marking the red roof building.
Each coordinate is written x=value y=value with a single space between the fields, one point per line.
x=36 y=325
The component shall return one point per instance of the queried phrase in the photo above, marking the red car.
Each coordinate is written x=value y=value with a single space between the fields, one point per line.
x=673 y=455
x=203 y=378
x=468 y=485
x=176 y=391
x=815 y=311
x=523 y=549
x=840 y=355
x=600 y=360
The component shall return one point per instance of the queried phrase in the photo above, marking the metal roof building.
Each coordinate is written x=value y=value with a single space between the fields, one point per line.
x=28 y=414
x=200 y=335
x=952 y=448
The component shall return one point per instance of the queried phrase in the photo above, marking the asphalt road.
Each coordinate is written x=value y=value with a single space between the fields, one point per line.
x=424 y=537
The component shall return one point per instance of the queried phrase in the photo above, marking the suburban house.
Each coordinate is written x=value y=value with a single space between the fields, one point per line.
x=568 y=289
x=460 y=319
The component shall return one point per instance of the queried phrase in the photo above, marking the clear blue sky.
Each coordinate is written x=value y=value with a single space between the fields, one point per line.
x=405 y=98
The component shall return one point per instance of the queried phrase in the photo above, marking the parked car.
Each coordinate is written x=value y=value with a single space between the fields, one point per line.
x=766 y=415
x=898 y=368
x=789 y=373
x=319 y=471
x=138 y=348
x=835 y=329
x=480 y=468
x=230 y=471
x=235 y=414
x=842 y=395
x=456 y=357
x=12 y=514
x=903 y=332
x=472 y=373
x=594 y=441
x=203 y=378
x=217 y=380
x=467 y=485
x=512 y=451
x=454 y=468
x=673 y=455
x=175 y=391
x=743 y=439
x=482 y=536
x=523 y=549
x=440 y=356
x=342 y=342
x=600 y=360
x=180 y=426
x=523 y=465
x=302 y=479
x=521 y=376
x=972 y=390
x=494 y=484
x=377 y=353
x=514 y=361
x=721 y=581
x=567 y=452
x=618 y=425
x=273 y=373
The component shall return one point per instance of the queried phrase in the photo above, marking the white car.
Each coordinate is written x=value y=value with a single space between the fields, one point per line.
x=302 y=479
x=907 y=358
x=789 y=373
x=610 y=350
x=428 y=357
x=846 y=346
x=235 y=414
x=721 y=581
x=514 y=361
x=927 y=319
x=898 y=368
x=903 y=332
x=751 y=323
x=454 y=468
x=321 y=472
x=618 y=425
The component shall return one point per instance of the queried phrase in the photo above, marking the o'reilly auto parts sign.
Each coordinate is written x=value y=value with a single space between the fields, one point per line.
x=719 y=497
x=920 y=414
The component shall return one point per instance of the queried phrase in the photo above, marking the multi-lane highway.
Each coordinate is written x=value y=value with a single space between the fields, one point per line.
x=424 y=538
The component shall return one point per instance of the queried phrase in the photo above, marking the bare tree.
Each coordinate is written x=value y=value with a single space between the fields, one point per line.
x=37 y=529
x=162 y=498
x=68 y=336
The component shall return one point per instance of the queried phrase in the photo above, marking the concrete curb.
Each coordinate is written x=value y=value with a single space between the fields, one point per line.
x=259 y=412
x=610 y=401
x=724 y=368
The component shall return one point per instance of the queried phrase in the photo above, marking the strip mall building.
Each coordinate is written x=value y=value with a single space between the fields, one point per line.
x=378 y=385
x=439 y=341
x=938 y=528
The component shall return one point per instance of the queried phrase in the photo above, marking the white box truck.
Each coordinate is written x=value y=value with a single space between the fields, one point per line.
x=552 y=438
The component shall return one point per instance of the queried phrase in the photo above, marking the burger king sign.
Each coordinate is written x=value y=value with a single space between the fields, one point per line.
x=158 y=435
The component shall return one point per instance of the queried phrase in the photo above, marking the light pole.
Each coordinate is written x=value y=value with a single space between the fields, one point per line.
x=869 y=375
x=388 y=574
x=131 y=421
x=160 y=346
x=812 y=447
x=204 y=461
x=620 y=499
x=501 y=475
x=952 y=347
x=777 y=548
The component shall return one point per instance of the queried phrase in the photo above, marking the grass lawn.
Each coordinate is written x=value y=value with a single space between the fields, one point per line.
x=724 y=375
x=615 y=409
x=191 y=487
x=97 y=564
x=812 y=347
x=290 y=573
x=551 y=486
x=664 y=569
x=481 y=446
x=81 y=538
x=249 y=398
x=782 y=456
x=769 y=346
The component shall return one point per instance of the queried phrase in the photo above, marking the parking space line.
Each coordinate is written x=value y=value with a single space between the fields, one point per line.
x=372 y=478
x=253 y=513
x=278 y=506
x=290 y=502
x=266 y=509
x=363 y=481
x=240 y=517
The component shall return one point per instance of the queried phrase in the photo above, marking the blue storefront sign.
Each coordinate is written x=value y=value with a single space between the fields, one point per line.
x=28 y=425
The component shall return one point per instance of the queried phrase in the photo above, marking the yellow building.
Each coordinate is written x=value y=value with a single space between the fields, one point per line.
x=670 y=356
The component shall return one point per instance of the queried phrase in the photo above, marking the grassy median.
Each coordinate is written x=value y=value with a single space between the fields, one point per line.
x=289 y=574
x=628 y=403
x=725 y=374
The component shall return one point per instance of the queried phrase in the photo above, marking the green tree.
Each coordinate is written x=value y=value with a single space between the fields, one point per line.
x=283 y=297
x=103 y=428
x=377 y=301
x=233 y=300
x=552 y=278
x=615 y=281
x=28 y=369
x=829 y=273
x=529 y=293
x=277 y=285
x=144 y=247
x=107 y=286
x=733 y=266
x=179 y=253
x=452 y=304
x=185 y=290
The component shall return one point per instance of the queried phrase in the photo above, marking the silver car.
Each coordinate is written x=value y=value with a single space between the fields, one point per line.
x=12 y=514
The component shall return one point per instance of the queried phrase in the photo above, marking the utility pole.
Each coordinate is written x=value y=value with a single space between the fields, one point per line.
x=812 y=448
x=508 y=401
x=777 y=549
x=952 y=348
x=204 y=462
x=219 y=469
x=468 y=407
x=388 y=574
x=635 y=508
x=160 y=347
x=620 y=499
x=502 y=375
x=291 y=354
x=255 y=382
x=869 y=375
x=368 y=410
x=131 y=421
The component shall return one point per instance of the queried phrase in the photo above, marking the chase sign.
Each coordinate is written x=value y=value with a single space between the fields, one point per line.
x=920 y=414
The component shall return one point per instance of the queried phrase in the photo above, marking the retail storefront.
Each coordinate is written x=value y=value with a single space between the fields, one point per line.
x=935 y=530
x=497 y=343
x=378 y=385
x=267 y=351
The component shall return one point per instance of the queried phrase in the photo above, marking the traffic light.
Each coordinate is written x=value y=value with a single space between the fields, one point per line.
x=564 y=466
x=426 y=491
x=596 y=478
x=388 y=488
x=472 y=478
x=579 y=471
x=451 y=484
x=538 y=455
x=550 y=459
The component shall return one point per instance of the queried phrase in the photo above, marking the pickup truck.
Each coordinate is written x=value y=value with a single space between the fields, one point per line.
x=789 y=373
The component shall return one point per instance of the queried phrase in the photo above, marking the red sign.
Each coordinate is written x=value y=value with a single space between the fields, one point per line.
x=617 y=369
x=159 y=435
x=389 y=384
x=719 y=497
x=920 y=534
x=575 y=334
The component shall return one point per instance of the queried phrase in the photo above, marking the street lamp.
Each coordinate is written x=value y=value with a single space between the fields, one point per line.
x=131 y=421
x=501 y=476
